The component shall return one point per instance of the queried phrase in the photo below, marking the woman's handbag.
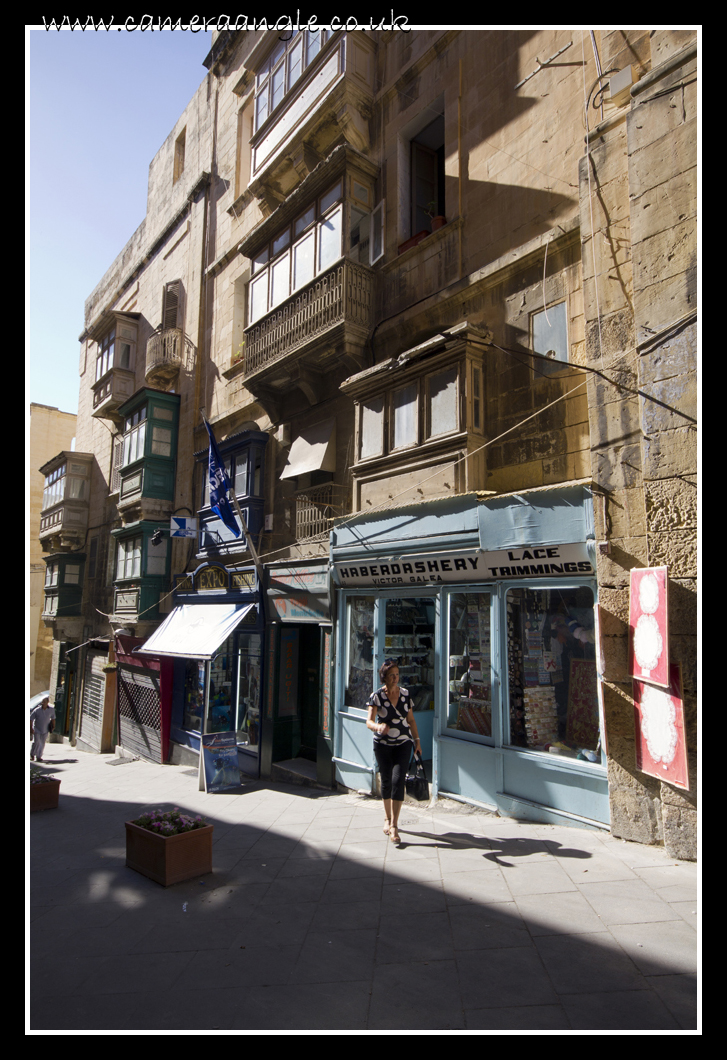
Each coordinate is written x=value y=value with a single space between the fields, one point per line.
x=417 y=784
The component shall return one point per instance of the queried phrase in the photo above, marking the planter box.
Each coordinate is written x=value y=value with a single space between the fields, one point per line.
x=44 y=796
x=169 y=859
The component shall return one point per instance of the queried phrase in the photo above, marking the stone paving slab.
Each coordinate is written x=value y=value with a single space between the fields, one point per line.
x=313 y=921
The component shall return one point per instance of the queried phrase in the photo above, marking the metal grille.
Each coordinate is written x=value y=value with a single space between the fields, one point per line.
x=140 y=714
x=94 y=685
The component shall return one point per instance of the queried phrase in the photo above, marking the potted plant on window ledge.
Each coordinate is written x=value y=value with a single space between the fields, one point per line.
x=169 y=846
x=438 y=219
x=44 y=790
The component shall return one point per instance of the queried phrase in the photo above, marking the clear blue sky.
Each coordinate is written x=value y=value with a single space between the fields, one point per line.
x=100 y=105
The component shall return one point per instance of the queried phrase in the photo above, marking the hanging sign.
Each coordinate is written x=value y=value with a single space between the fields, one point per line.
x=661 y=749
x=180 y=527
x=649 y=626
x=218 y=762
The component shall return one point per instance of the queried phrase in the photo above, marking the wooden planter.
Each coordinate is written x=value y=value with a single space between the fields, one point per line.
x=169 y=859
x=44 y=796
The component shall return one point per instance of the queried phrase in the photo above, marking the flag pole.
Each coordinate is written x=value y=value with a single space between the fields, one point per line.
x=248 y=537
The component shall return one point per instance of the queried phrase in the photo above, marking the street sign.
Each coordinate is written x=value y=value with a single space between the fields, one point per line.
x=182 y=527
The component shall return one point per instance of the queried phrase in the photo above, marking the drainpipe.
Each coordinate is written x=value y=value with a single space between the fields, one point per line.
x=459 y=162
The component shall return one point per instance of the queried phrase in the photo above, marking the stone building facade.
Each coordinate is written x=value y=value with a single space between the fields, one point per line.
x=51 y=432
x=426 y=307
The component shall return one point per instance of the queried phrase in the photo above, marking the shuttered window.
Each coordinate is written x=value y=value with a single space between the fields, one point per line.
x=170 y=304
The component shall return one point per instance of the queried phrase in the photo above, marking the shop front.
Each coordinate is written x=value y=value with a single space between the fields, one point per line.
x=489 y=608
x=214 y=637
x=297 y=703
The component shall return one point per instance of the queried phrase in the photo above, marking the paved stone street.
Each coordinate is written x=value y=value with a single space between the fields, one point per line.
x=312 y=920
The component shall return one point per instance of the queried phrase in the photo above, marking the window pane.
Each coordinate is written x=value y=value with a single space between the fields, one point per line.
x=240 y=483
x=296 y=62
x=409 y=641
x=76 y=488
x=140 y=433
x=405 y=417
x=372 y=423
x=552 y=667
x=443 y=402
x=280 y=280
x=278 y=86
x=304 y=220
x=259 y=297
x=136 y=558
x=329 y=246
x=303 y=261
x=261 y=106
x=260 y=260
x=330 y=197
x=71 y=574
x=360 y=651
x=281 y=242
x=313 y=44
x=470 y=676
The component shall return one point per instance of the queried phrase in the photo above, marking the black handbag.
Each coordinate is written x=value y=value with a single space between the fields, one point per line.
x=417 y=784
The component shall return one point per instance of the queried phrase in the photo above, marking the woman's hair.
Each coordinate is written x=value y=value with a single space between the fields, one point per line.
x=385 y=667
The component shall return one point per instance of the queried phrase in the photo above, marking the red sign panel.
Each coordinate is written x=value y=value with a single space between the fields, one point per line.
x=661 y=749
x=649 y=626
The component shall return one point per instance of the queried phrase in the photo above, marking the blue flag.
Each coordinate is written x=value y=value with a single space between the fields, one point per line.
x=219 y=485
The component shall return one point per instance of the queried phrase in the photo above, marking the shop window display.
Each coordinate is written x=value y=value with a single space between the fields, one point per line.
x=360 y=646
x=193 y=695
x=409 y=639
x=234 y=691
x=248 y=699
x=470 y=675
x=221 y=692
x=552 y=672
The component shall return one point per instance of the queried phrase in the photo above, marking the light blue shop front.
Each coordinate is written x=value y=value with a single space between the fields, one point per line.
x=489 y=606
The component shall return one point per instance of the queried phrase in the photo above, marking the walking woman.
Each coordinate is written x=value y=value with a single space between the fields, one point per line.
x=391 y=719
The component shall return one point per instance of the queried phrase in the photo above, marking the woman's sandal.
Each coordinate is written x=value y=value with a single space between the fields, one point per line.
x=394 y=836
x=386 y=828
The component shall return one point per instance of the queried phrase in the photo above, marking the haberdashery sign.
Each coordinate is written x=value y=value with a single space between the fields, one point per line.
x=661 y=749
x=649 y=626
x=532 y=561
x=219 y=762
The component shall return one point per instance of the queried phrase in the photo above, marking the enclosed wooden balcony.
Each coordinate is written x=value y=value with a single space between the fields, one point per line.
x=334 y=309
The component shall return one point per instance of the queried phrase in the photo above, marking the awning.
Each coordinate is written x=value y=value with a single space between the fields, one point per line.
x=313 y=450
x=195 y=631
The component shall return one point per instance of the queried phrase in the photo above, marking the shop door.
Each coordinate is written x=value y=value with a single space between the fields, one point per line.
x=140 y=713
x=94 y=684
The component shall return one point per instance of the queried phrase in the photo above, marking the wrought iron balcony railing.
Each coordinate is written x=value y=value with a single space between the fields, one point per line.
x=317 y=507
x=343 y=295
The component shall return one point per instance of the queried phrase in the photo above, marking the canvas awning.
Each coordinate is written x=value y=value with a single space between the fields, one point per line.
x=313 y=450
x=195 y=631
